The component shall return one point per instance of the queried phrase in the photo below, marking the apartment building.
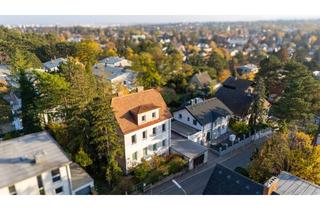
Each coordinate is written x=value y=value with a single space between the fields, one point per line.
x=145 y=124
x=34 y=164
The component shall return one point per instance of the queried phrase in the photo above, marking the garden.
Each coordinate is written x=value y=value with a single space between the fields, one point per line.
x=150 y=172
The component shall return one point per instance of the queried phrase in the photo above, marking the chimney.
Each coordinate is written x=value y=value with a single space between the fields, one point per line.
x=140 y=89
x=39 y=157
x=271 y=185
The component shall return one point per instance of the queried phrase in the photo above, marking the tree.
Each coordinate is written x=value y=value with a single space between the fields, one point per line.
x=269 y=71
x=292 y=152
x=103 y=134
x=5 y=111
x=258 y=110
x=148 y=75
x=301 y=98
x=271 y=159
x=52 y=90
x=22 y=60
x=30 y=113
x=87 y=52
x=83 y=158
x=217 y=61
x=223 y=75
x=283 y=54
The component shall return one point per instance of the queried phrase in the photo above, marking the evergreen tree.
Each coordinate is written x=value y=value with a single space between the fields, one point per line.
x=301 y=98
x=30 y=112
x=258 y=111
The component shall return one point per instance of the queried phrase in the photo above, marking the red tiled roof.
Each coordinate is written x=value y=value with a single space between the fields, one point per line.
x=144 y=108
x=145 y=99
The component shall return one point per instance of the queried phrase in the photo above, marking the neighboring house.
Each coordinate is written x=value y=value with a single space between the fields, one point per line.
x=35 y=164
x=115 y=62
x=53 y=65
x=116 y=75
x=202 y=122
x=237 y=95
x=288 y=184
x=224 y=181
x=145 y=123
x=137 y=37
x=247 y=69
x=201 y=79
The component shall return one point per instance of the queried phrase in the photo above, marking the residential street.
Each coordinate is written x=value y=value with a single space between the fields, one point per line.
x=195 y=181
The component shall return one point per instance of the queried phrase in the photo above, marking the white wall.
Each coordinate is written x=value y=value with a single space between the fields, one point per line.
x=30 y=186
x=221 y=123
x=185 y=114
x=148 y=142
x=148 y=116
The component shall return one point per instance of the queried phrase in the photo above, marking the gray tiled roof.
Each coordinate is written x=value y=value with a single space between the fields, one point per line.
x=202 y=79
x=209 y=110
x=53 y=63
x=233 y=95
x=17 y=157
x=111 y=60
x=224 y=181
x=293 y=185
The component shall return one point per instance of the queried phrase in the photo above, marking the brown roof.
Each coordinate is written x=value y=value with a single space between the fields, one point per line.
x=124 y=104
x=144 y=108
x=202 y=79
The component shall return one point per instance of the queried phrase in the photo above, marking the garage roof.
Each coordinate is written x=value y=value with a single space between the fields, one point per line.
x=187 y=148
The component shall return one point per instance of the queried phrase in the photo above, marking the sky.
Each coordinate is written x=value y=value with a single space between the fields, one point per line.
x=67 y=20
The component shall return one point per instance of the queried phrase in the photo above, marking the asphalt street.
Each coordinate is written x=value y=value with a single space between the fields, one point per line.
x=195 y=181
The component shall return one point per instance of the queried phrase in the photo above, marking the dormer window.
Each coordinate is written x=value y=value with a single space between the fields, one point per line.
x=145 y=113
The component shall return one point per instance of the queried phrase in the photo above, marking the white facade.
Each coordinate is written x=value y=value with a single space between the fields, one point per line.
x=144 y=146
x=30 y=186
x=209 y=131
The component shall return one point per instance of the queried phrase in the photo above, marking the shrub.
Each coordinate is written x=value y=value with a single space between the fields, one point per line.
x=154 y=176
x=239 y=127
x=176 y=164
x=142 y=171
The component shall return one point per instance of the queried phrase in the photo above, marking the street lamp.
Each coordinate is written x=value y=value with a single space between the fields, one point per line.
x=179 y=186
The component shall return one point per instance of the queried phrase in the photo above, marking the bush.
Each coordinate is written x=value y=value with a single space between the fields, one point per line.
x=142 y=171
x=154 y=176
x=159 y=167
x=176 y=164
x=239 y=127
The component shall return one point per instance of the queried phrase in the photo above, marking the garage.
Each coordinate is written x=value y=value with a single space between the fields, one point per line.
x=191 y=151
x=198 y=161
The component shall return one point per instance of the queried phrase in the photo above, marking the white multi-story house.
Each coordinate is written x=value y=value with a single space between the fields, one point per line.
x=115 y=62
x=145 y=124
x=202 y=122
x=34 y=164
x=53 y=65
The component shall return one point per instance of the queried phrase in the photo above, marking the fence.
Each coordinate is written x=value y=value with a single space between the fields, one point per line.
x=224 y=148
